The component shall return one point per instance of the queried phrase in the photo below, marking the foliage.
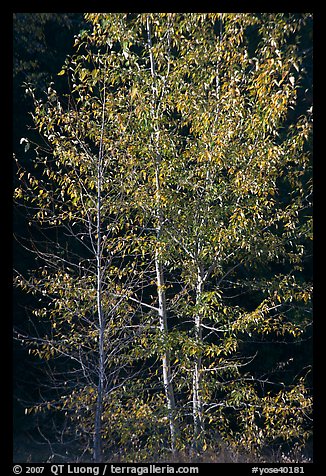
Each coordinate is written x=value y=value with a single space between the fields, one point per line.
x=190 y=152
x=35 y=35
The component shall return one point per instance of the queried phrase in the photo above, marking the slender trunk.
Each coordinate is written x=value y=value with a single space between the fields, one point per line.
x=166 y=359
x=101 y=358
x=197 y=372
x=97 y=444
x=97 y=449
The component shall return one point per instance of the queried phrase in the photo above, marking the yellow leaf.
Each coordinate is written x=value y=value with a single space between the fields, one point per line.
x=134 y=92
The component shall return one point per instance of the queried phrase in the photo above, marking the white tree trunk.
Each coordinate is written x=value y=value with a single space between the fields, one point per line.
x=97 y=448
x=197 y=371
x=166 y=359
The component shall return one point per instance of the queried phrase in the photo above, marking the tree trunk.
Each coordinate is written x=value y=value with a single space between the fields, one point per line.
x=97 y=448
x=166 y=360
x=196 y=383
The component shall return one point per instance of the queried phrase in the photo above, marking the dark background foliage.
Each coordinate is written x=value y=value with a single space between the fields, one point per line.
x=41 y=42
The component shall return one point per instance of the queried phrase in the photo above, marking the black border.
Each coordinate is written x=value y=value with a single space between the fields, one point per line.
x=6 y=225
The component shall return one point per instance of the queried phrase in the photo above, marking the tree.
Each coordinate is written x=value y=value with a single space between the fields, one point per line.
x=155 y=140
x=76 y=212
x=187 y=189
x=227 y=210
